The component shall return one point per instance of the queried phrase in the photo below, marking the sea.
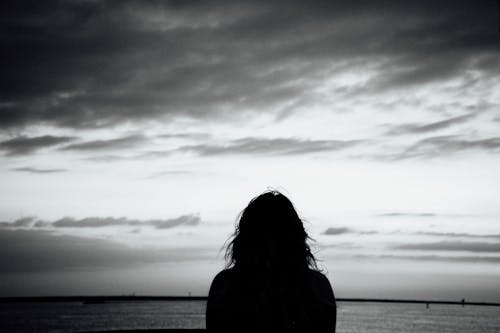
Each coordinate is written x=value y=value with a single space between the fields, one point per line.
x=351 y=317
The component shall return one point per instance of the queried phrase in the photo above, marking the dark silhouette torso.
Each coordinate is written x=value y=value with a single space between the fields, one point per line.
x=235 y=304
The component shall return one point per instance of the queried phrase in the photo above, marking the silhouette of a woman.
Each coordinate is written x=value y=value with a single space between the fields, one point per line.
x=271 y=281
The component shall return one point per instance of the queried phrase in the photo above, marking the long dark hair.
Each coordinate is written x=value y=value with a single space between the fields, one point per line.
x=270 y=258
x=270 y=237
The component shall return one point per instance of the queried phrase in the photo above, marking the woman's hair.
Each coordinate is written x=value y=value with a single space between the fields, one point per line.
x=270 y=238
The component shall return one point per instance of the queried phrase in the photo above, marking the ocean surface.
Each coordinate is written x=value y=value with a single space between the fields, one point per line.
x=352 y=317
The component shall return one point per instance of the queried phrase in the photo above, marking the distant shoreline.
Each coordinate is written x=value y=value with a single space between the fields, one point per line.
x=104 y=299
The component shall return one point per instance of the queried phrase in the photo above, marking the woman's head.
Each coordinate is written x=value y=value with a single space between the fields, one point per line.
x=270 y=236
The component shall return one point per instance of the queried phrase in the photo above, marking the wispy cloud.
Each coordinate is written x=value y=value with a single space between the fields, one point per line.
x=105 y=158
x=334 y=231
x=96 y=145
x=444 y=145
x=407 y=214
x=38 y=170
x=100 y=222
x=194 y=136
x=22 y=145
x=95 y=222
x=459 y=259
x=451 y=246
x=430 y=127
x=337 y=231
x=264 y=146
x=456 y=234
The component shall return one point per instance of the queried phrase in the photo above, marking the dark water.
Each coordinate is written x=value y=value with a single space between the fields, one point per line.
x=352 y=317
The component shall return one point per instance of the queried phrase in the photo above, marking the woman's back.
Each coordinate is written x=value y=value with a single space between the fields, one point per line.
x=234 y=305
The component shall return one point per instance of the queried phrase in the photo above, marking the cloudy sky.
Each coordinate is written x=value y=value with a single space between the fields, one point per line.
x=132 y=133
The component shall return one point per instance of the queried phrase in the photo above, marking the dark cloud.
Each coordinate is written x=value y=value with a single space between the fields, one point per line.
x=263 y=146
x=38 y=170
x=99 y=222
x=118 y=143
x=333 y=231
x=452 y=246
x=101 y=63
x=424 y=128
x=22 y=145
x=42 y=251
x=337 y=231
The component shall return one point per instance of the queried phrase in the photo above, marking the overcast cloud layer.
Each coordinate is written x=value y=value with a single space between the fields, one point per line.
x=97 y=63
x=101 y=64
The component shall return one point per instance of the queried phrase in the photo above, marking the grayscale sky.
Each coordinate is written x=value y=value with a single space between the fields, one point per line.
x=132 y=133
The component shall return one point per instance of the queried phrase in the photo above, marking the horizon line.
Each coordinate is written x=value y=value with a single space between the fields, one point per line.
x=111 y=298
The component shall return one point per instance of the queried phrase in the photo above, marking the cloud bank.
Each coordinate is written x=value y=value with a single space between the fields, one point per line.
x=29 y=251
x=96 y=64
x=100 y=222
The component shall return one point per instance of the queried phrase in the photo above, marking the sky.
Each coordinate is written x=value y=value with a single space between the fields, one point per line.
x=132 y=133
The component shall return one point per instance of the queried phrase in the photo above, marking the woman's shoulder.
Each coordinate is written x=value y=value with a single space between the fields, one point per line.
x=224 y=275
x=321 y=287
x=221 y=282
x=318 y=277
